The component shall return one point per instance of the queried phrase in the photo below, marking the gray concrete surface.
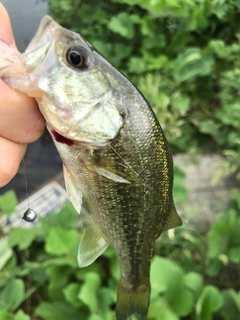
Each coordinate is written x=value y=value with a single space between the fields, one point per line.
x=206 y=200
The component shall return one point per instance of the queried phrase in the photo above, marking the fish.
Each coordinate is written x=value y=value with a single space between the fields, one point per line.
x=114 y=153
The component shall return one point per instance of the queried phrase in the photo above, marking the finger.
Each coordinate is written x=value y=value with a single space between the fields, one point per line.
x=11 y=157
x=20 y=118
x=6 y=33
x=8 y=49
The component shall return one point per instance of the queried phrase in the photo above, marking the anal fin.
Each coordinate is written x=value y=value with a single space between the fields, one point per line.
x=93 y=244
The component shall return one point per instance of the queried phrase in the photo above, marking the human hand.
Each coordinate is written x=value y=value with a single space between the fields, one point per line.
x=20 y=119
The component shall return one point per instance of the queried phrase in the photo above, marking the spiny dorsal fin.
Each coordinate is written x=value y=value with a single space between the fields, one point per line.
x=93 y=244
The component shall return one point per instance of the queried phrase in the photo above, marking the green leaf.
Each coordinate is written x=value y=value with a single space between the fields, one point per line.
x=154 y=62
x=66 y=218
x=4 y=314
x=191 y=64
x=198 y=19
x=59 y=311
x=8 y=271
x=39 y=274
x=147 y=26
x=8 y=202
x=123 y=25
x=88 y=292
x=115 y=267
x=209 y=302
x=223 y=237
x=163 y=99
x=95 y=317
x=151 y=43
x=167 y=279
x=20 y=315
x=23 y=237
x=214 y=267
x=234 y=254
x=105 y=296
x=180 y=192
x=58 y=280
x=60 y=241
x=194 y=282
x=160 y=310
x=136 y=65
x=5 y=252
x=231 y=307
x=181 y=102
x=220 y=9
x=71 y=294
x=218 y=236
x=12 y=294
x=173 y=3
x=65 y=5
x=219 y=48
x=29 y=266
x=235 y=297
x=209 y=127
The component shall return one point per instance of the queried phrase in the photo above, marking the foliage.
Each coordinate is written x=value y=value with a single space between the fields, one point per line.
x=183 y=55
x=40 y=277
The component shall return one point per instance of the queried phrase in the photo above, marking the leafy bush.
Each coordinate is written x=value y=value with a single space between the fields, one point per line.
x=183 y=55
x=40 y=277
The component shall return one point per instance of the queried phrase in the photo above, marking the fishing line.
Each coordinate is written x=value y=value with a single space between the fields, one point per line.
x=128 y=166
x=29 y=215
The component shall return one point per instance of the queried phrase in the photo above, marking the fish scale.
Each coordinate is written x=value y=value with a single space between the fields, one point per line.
x=113 y=149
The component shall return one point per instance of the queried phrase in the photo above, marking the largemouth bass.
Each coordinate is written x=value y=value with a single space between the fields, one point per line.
x=113 y=150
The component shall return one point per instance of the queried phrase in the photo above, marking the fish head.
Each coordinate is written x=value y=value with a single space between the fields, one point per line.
x=77 y=90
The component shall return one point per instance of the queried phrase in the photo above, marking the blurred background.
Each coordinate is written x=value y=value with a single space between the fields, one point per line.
x=184 y=57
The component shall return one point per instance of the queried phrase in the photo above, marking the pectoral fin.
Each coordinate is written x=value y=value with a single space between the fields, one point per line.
x=73 y=192
x=93 y=244
x=110 y=175
x=173 y=219
x=107 y=174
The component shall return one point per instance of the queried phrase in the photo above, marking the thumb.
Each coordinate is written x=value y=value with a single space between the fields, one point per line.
x=8 y=50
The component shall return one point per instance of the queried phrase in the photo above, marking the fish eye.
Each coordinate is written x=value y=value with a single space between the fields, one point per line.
x=78 y=57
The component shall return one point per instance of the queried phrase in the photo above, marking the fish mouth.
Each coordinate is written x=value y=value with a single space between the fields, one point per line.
x=24 y=73
x=44 y=34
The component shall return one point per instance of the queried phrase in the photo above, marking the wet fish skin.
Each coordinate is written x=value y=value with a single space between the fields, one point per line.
x=114 y=154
